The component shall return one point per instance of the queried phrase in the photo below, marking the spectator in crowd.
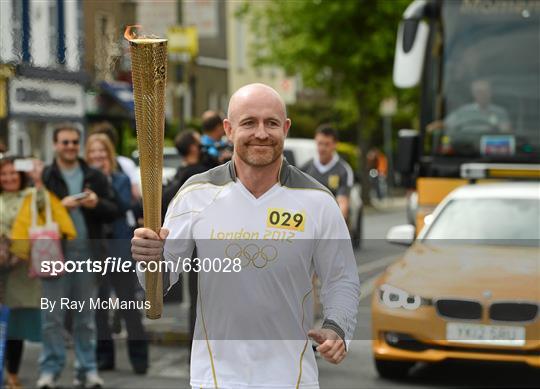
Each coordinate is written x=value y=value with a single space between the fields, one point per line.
x=89 y=197
x=216 y=149
x=188 y=144
x=127 y=166
x=124 y=164
x=24 y=319
x=20 y=292
x=100 y=154
x=378 y=171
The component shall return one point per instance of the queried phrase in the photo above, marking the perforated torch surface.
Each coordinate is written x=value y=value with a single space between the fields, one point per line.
x=149 y=72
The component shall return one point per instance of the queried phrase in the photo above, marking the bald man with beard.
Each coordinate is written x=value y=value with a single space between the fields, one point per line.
x=272 y=227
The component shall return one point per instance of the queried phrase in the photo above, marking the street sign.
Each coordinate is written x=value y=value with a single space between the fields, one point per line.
x=183 y=40
x=41 y=97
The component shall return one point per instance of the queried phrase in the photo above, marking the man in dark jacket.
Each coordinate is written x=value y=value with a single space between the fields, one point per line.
x=188 y=144
x=216 y=150
x=89 y=198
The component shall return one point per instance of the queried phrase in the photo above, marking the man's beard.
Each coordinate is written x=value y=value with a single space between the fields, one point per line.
x=265 y=157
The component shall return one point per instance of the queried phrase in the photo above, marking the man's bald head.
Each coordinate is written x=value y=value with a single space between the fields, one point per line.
x=254 y=91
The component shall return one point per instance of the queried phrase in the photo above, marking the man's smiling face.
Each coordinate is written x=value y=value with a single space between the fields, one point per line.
x=257 y=125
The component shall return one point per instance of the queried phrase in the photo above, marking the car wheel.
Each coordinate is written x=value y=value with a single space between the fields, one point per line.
x=356 y=237
x=392 y=369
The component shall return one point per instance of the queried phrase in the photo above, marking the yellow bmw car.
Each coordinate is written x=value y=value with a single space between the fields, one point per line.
x=469 y=286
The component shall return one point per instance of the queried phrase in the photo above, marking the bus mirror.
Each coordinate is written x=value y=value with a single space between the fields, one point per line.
x=411 y=44
x=407 y=151
x=411 y=47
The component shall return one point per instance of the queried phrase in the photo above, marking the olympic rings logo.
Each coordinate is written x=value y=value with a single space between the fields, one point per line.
x=252 y=254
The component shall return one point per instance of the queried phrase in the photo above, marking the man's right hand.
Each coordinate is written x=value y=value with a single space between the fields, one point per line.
x=69 y=202
x=146 y=245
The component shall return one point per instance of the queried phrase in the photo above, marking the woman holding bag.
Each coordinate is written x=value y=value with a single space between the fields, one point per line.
x=24 y=319
x=100 y=154
x=20 y=292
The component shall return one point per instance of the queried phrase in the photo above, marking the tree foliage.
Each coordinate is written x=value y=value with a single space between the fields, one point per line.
x=344 y=47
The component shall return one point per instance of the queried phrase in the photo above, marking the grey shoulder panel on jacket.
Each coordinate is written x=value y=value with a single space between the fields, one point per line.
x=220 y=175
x=290 y=176
x=294 y=178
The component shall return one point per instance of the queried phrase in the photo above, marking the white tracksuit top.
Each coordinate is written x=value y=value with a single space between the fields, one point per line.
x=252 y=324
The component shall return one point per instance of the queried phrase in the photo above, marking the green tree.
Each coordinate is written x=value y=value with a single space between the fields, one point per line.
x=345 y=47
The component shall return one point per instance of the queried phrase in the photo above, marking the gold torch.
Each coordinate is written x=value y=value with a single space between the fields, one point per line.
x=149 y=74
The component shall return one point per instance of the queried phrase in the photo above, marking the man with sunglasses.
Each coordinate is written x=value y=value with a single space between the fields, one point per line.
x=88 y=196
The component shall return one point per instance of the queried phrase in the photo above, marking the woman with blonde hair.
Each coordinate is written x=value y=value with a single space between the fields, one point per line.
x=100 y=154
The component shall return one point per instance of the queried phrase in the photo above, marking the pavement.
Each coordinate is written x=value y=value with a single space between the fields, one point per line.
x=168 y=368
x=169 y=356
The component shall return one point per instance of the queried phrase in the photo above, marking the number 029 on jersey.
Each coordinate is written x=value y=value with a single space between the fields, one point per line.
x=288 y=220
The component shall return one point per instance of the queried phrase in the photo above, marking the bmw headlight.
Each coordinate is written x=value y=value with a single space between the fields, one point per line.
x=393 y=297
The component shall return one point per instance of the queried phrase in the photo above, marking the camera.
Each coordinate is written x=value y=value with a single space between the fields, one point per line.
x=24 y=165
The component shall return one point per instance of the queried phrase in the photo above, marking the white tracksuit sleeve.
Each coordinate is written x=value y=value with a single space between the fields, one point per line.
x=335 y=265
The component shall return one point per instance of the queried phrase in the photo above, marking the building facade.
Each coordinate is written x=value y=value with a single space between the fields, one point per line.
x=41 y=56
x=241 y=57
x=208 y=78
x=107 y=61
x=194 y=84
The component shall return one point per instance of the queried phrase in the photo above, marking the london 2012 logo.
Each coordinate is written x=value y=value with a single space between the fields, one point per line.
x=252 y=254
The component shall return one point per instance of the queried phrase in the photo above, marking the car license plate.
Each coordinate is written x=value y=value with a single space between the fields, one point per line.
x=485 y=334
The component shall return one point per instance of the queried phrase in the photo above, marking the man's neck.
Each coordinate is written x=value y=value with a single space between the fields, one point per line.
x=325 y=161
x=328 y=160
x=258 y=180
x=67 y=165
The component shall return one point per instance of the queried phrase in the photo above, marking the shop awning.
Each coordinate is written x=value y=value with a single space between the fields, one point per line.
x=122 y=92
